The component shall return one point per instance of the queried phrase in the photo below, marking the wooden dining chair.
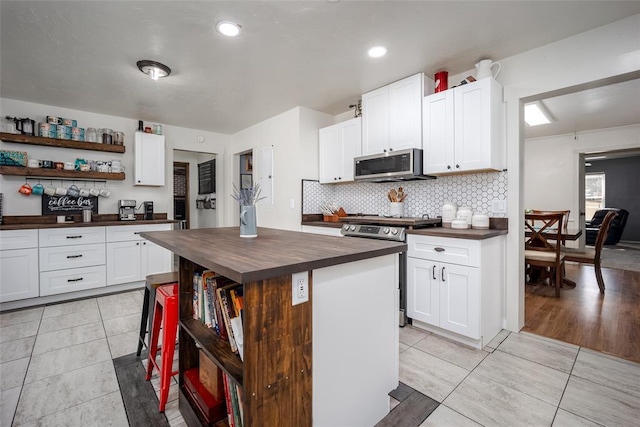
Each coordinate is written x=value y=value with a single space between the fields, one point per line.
x=565 y=219
x=542 y=246
x=592 y=255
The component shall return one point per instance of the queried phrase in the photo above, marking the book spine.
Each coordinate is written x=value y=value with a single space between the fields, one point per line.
x=240 y=419
x=227 y=319
x=218 y=308
x=196 y=309
x=227 y=398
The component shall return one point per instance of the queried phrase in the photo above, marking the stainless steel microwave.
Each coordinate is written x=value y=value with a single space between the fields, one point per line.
x=399 y=165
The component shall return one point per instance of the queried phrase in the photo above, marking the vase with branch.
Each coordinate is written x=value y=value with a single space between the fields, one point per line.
x=247 y=199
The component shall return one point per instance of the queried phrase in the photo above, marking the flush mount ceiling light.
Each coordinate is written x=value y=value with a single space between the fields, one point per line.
x=377 y=51
x=536 y=114
x=153 y=69
x=228 y=28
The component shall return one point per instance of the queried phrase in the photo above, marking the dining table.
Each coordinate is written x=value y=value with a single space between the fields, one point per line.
x=572 y=234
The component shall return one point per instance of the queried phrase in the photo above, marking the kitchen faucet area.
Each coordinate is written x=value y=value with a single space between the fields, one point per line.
x=264 y=213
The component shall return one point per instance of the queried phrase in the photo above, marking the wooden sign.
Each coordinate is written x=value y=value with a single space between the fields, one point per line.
x=66 y=205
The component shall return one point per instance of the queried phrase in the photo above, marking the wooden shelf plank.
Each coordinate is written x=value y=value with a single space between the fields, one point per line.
x=57 y=173
x=215 y=347
x=60 y=143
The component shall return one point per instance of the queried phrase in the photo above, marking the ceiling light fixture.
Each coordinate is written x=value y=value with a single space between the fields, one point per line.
x=536 y=114
x=377 y=51
x=153 y=69
x=228 y=28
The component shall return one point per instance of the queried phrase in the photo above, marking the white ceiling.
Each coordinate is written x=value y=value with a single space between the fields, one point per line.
x=82 y=55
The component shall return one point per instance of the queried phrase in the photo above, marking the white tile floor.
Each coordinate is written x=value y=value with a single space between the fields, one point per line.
x=56 y=370
x=56 y=364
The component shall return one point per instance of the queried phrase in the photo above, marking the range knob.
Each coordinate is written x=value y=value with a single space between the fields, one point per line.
x=385 y=230
x=353 y=228
x=345 y=227
x=394 y=231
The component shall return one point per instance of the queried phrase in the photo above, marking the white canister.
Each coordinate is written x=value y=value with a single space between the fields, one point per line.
x=449 y=210
x=396 y=209
x=465 y=213
x=480 y=221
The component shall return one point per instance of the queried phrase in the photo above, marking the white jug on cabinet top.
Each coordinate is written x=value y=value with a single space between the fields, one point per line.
x=483 y=69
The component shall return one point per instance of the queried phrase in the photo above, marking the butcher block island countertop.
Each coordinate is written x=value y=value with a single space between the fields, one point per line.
x=297 y=352
x=273 y=253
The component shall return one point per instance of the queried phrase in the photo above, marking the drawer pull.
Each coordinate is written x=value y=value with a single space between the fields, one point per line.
x=137 y=232
x=74 y=237
x=75 y=280
x=73 y=256
x=438 y=249
x=442 y=273
x=433 y=272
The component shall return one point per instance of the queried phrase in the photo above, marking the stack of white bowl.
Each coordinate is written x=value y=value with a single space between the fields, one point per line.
x=449 y=211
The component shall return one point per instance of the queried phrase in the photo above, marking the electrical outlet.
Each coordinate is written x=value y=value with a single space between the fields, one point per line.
x=299 y=287
x=499 y=206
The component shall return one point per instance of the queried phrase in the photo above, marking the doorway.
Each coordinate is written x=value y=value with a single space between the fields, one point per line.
x=556 y=166
x=181 y=194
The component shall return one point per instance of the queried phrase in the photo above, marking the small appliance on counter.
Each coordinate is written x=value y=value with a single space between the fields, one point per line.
x=127 y=210
x=148 y=210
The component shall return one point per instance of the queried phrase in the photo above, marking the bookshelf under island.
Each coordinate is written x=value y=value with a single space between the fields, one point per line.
x=329 y=361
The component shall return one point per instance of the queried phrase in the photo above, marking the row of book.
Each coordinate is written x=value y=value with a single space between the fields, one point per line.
x=218 y=303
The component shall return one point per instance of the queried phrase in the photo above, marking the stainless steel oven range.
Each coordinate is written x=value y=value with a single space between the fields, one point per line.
x=378 y=227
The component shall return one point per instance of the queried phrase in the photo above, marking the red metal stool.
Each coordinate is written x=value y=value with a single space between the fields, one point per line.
x=165 y=313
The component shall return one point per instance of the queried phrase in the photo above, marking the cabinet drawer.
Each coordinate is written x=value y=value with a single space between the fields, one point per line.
x=123 y=233
x=443 y=249
x=63 y=257
x=71 y=236
x=77 y=279
x=18 y=239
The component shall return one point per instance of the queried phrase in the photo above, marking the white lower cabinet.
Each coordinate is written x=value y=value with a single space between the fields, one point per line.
x=455 y=287
x=70 y=280
x=444 y=295
x=131 y=258
x=18 y=274
x=71 y=259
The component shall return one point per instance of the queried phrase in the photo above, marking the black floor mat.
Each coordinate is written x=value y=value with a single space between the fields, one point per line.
x=139 y=398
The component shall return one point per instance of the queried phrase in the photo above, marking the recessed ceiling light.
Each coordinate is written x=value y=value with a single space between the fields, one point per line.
x=377 y=51
x=228 y=28
x=536 y=114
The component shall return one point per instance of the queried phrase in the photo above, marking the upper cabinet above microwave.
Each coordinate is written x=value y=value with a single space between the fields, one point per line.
x=463 y=129
x=392 y=116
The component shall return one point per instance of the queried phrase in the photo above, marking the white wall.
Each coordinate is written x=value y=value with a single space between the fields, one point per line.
x=294 y=137
x=175 y=137
x=551 y=165
x=601 y=53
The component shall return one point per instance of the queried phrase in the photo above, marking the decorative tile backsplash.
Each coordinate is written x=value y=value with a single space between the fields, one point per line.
x=476 y=191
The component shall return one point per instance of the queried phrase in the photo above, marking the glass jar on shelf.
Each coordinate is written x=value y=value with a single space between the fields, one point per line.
x=91 y=135
x=118 y=138
x=107 y=136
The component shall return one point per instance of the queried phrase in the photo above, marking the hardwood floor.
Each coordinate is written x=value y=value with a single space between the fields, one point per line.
x=609 y=323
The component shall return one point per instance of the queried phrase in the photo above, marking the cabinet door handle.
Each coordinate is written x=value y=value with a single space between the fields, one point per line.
x=75 y=280
x=442 y=274
x=438 y=249
x=448 y=166
x=137 y=232
x=457 y=166
x=73 y=256
x=74 y=237
x=144 y=243
x=137 y=243
x=433 y=272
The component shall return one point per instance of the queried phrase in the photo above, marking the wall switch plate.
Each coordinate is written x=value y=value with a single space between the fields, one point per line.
x=299 y=287
x=499 y=206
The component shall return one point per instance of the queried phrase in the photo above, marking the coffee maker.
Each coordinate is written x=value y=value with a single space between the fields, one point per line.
x=148 y=210
x=127 y=210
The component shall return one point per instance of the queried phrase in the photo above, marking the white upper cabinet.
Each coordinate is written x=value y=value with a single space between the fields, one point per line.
x=392 y=116
x=463 y=129
x=339 y=144
x=149 y=159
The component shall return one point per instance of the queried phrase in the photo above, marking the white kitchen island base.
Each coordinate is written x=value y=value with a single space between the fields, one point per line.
x=355 y=341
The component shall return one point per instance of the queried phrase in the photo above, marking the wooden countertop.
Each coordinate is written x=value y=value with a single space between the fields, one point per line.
x=49 y=221
x=471 y=234
x=273 y=253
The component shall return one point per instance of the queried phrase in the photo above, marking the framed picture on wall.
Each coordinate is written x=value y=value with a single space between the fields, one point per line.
x=246 y=181
x=249 y=162
x=207 y=177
